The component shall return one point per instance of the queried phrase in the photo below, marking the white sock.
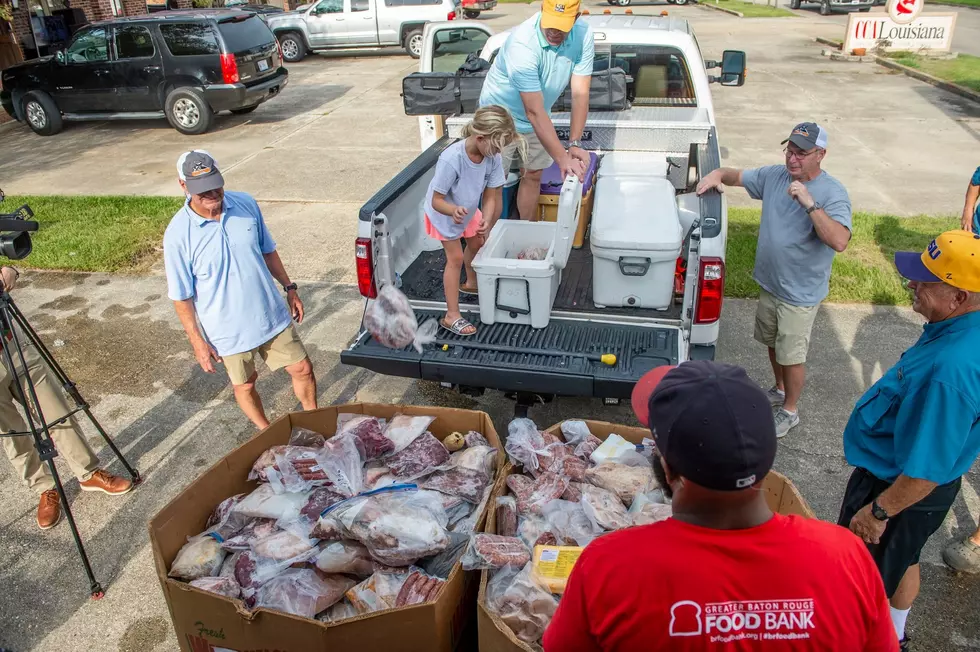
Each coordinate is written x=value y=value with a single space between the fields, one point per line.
x=899 y=617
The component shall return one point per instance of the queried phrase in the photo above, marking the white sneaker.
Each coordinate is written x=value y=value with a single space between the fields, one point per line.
x=776 y=396
x=785 y=421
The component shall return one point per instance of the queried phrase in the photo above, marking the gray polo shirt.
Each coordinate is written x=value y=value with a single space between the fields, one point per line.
x=791 y=262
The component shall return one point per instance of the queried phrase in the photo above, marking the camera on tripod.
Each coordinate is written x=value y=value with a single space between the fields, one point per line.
x=15 y=237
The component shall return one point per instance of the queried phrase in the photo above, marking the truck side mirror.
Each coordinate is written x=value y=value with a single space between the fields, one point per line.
x=733 y=68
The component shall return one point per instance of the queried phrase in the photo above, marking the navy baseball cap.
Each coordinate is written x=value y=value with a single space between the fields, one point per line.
x=199 y=172
x=711 y=423
x=808 y=135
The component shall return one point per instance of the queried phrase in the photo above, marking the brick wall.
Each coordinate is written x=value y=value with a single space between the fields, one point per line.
x=134 y=7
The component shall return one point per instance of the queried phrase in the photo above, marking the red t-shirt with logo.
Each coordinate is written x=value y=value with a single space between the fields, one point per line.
x=791 y=583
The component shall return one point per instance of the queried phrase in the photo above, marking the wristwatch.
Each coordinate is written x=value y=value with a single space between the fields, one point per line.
x=812 y=208
x=291 y=286
x=877 y=511
x=575 y=143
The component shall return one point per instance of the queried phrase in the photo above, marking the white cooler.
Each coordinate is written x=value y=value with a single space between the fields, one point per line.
x=633 y=164
x=636 y=239
x=523 y=291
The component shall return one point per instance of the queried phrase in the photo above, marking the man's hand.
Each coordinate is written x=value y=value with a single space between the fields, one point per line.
x=206 y=355
x=966 y=223
x=569 y=165
x=458 y=214
x=8 y=276
x=866 y=526
x=799 y=192
x=295 y=306
x=581 y=155
x=711 y=181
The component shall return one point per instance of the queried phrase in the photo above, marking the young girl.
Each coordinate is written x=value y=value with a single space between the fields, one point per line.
x=467 y=171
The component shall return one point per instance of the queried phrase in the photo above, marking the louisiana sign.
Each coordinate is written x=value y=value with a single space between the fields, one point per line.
x=927 y=32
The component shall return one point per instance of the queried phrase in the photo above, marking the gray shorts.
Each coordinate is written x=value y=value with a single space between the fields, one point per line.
x=537 y=157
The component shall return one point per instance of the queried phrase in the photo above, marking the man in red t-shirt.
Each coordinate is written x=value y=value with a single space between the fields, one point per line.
x=724 y=573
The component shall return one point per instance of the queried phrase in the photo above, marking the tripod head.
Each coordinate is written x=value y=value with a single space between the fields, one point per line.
x=15 y=239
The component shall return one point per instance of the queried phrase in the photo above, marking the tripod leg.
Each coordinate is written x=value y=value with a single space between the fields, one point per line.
x=133 y=473
x=94 y=586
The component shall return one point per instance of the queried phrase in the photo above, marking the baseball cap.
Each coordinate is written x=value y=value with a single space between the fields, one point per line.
x=808 y=135
x=711 y=423
x=952 y=258
x=559 y=14
x=199 y=172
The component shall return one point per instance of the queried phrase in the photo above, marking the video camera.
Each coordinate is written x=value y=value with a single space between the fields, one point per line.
x=15 y=239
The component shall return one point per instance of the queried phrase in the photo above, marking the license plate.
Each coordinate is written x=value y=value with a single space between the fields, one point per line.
x=564 y=135
x=263 y=65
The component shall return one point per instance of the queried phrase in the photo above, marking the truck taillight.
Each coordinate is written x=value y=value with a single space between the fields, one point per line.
x=229 y=69
x=711 y=291
x=365 y=268
x=279 y=47
x=452 y=15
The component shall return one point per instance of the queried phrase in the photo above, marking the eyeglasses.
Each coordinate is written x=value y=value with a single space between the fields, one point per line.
x=799 y=156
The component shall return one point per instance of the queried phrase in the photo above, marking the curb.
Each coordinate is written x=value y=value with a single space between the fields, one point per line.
x=707 y=5
x=929 y=79
x=826 y=41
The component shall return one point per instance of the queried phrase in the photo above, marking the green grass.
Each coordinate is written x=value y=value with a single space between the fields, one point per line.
x=965 y=3
x=864 y=273
x=96 y=234
x=964 y=70
x=751 y=10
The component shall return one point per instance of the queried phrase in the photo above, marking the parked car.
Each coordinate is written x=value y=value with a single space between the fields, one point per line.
x=340 y=24
x=472 y=8
x=263 y=11
x=175 y=64
x=828 y=7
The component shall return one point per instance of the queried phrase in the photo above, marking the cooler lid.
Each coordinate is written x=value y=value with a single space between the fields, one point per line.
x=551 y=181
x=636 y=214
x=569 y=202
x=628 y=163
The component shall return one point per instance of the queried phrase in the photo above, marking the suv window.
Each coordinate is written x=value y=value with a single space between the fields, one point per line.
x=89 y=45
x=242 y=34
x=452 y=46
x=188 y=39
x=659 y=75
x=133 y=42
x=360 y=5
x=329 y=7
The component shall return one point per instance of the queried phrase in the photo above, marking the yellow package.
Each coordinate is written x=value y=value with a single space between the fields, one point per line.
x=553 y=564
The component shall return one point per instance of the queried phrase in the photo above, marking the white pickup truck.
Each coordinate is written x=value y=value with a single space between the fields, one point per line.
x=668 y=133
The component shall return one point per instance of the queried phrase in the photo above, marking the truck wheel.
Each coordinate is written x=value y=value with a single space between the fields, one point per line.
x=188 y=112
x=413 y=43
x=623 y=3
x=794 y=4
x=41 y=113
x=244 y=110
x=293 y=48
x=824 y=7
x=680 y=2
x=471 y=13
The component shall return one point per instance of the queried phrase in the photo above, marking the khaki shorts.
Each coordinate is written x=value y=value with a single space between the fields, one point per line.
x=784 y=327
x=537 y=157
x=281 y=351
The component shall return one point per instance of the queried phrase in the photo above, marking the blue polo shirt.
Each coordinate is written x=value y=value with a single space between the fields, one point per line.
x=975 y=181
x=527 y=63
x=922 y=419
x=221 y=265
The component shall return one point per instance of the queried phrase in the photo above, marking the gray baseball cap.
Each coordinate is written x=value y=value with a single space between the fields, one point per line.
x=808 y=135
x=200 y=172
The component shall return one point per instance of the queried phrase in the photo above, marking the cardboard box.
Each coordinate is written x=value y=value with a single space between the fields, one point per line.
x=206 y=622
x=495 y=636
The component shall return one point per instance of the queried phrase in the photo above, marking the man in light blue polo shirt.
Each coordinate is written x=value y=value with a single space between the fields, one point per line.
x=529 y=74
x=221 y=260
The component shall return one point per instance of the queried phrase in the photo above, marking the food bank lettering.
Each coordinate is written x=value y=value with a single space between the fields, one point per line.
x=755 y=620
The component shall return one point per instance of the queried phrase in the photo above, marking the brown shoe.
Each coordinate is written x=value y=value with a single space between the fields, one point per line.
x=110 y=484
x=49 y=510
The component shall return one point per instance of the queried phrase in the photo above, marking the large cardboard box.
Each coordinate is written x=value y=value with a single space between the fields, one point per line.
x=206 y=622
x=495 y=636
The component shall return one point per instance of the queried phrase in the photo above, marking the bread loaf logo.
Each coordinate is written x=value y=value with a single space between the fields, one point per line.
x=744 y=620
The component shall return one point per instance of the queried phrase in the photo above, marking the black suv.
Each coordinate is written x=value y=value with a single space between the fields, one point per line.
x=181 y=65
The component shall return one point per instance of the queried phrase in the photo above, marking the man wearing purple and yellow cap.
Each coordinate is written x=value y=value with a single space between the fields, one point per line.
x=917 y=430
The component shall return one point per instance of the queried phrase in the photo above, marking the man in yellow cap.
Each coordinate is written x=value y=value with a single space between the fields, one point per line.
x=917 y=430
x=529 y=74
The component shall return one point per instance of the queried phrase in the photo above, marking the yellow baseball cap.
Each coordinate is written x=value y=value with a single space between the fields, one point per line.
x=559 y=14
x=952 y=258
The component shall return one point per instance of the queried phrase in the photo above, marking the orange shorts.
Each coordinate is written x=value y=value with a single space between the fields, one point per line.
x=471 y=231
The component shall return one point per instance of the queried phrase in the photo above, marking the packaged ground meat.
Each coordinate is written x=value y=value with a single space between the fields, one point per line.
x=264 y=502
x=418 y=588
x=523 y=604
x=584 y=449
x=523 y=442
x=536 y=531
x=473 y=439
x=304 y=437
x=623 y=480
x=342 y=461
x=465 y=483
x=403 y=429
x=201 y=556
x=228 y=566
x=391 y=321
x=506 y=516
x=531 y=495
x=257 y=528
x=604 y=508
x=377 y=474
x=422 y=456
x=476 y=458
x=283 y=545
x=441 y=565
x=492 y=551
x=569 y=522
x=224 y=520
x=252 y=571
x=649 y=508
x=226 y=586
x=318 y=500
x=573 y=493
x=348 y=557
x=302 y=592
x=265 y=461
x=380 y=591
x=371 y=434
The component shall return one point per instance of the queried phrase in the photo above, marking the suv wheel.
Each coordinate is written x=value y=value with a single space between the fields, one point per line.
x=471 y=13
x=623 y=3
x=794 y=4
x=41 y=113
x=188 y=112
x=824 y=7
x=413 y=43
x=293 y=48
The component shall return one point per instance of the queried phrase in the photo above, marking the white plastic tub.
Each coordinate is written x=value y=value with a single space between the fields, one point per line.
x=633 y=164
x=523 y=291
x=636 y=239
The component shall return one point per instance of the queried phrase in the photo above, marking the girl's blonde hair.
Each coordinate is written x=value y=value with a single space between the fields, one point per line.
x=496 y=125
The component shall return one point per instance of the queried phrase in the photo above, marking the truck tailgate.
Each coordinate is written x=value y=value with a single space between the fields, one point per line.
x=539 y=368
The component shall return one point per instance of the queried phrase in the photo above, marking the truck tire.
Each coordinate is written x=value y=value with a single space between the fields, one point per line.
x=623 y=3
x=293 y=47
x=471 y=13
x=824 y=7
x=680 y=2
x=188 y=112
x=41 y=113
x=413 y=43
x=794 y=4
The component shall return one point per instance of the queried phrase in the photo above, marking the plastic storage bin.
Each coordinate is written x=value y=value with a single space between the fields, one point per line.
x=636 y=240
x=551 y=184
x=523 y=291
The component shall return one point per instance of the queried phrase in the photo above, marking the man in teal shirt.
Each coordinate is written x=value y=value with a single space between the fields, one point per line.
x=529 y=74
x=917 y=430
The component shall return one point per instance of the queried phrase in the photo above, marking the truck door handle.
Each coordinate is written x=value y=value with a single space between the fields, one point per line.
x=101 y=71
x=151 y=68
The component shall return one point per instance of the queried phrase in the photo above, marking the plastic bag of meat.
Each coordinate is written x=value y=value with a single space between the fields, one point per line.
x=523 y=604
x=573 y=493
x=456 y=512
x=536 y=531
x=623 y=480
x=391 y=320
x=348 y=557
x=226 y=586
x=441 y=565
x=532 y=495
x=476 y=458
x=371 y=435
x=257 y=528
x=252 y=571
x=318 y=500
x=532 y=253
x=472 y=520
x=264 y=502
x=201 y=556
x=569 y=522
x=228 y=566
x=342 y=461
x=494 y=551
x=575 y=432
x=559 y=458
x=506 y=516
x=473 y=439
x=423 y=455
x=647 y=448
x=380 y=591
x=340 y=611
x=265 y=461
x=604 y=508
x=283 y=545
x=399 y=524
x=649 y=507
x=297 y=469
x=224 y=520
x=418 y=588
x=523 y=442
x=403 y=429
x=465 y=483
x=377 y=474
x=302 y=592
x=585 y=448
x=304 y=437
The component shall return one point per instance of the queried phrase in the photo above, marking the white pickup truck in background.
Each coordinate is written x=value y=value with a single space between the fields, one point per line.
x=668 y=134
